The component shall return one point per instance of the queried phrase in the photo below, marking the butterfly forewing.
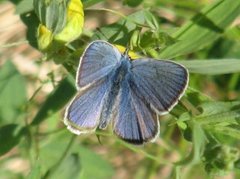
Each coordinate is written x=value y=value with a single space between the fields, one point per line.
x=98 y=60
x=161 y=83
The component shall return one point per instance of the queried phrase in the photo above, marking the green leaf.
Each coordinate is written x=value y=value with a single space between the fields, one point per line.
x=210 y=108
x=35 y=172
x=220 y=159
x=52 y=14
x=132 y=3
x=9 y=136
x=203 y=28
x=24 y=6
x=76 y=158
x=12 y=93
x=69 y=167
x=218 y=118
x=93 y=166
x=151 y=20
x=230 y=130
x=212 y=66
x=56 y=100
x=121 y=31
x=233 y=33
x=219 y=112
x=52 y=149
x=199 y=139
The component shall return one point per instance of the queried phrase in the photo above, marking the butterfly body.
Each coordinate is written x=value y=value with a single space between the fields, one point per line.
x=128 y=94
x=115 y=78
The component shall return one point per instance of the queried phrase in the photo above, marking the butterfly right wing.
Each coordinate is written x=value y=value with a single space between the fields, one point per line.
x=96 y=66
x=98 y=60
x=83 y=114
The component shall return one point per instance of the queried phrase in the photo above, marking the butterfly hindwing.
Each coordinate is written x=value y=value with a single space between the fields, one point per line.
x=161 y=83
x=98 y=60
x=135 y=121
x=83 y=113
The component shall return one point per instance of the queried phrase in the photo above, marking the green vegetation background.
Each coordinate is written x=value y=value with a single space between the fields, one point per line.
x=198 y=139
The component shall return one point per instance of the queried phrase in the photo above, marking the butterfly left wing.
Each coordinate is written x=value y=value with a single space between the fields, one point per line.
x=161 y=83
x=135 y=121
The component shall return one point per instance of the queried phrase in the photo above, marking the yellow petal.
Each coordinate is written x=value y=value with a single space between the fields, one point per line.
x=131 y=53
x=44 y=37
x=74 y=25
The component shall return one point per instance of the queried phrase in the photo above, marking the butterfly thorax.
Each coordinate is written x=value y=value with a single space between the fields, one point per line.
x=122 y=70
x=117 y=77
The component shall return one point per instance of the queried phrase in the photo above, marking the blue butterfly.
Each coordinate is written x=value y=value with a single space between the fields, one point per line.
x=128 y=94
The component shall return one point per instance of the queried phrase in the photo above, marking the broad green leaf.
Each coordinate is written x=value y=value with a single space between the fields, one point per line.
x=35 y=172
x=56 y=100
x=54 y=158
x=209 y=108
x=6 y=173
x=9 y=136
x=15 y=2
x=233 y=33
x=93 y=166
x=24 y=6
x=217 y=118
x=151 y=20
x=203 y=28
x=52 y=149
x=230 y=130
x=212 y=66
x=196 y=97
x=198 y=138
x=68 y=168
x=219 y=113
x=12 y=93
x=184 y=4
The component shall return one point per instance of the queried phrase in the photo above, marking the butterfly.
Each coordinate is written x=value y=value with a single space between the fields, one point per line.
x=128 y=94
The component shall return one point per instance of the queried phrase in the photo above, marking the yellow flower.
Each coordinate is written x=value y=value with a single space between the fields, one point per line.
x=74 y=24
